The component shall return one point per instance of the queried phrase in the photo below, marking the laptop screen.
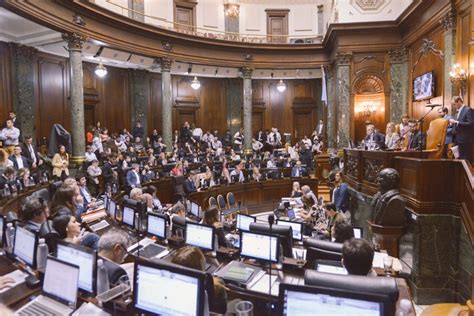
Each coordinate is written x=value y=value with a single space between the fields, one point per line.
x=112 y=208
x=85 y=258
x=297 y=228
x=61 y=281
x=357 y=232
x=157 y=226
x=25 y=245
x=195 y=209
x=164 y=292
x=259 y=246
x=201 y=236
x=243 y=221
x=128 y=216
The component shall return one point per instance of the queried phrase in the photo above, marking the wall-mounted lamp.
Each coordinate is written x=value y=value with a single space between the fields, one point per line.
x=232 y=10
x=100 y=70
x=195 y=84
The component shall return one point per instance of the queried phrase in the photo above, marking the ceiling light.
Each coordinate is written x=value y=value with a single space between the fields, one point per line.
x=232 y=10
x=100 y=70
x=195 y=84
x=281 y=86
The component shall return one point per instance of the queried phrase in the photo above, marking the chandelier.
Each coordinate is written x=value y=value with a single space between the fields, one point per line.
x=100 y=70
x=368 y=110
x=232 y=10
x=195 y=84
x=281 y=86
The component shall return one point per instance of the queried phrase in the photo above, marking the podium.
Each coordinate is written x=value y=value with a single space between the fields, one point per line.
x=389 y=237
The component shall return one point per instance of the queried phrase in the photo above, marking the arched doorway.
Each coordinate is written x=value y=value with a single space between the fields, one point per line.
x=369 y=104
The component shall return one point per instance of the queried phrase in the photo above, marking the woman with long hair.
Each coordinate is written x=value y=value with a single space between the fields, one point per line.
x=211 y=218
x=61 y=163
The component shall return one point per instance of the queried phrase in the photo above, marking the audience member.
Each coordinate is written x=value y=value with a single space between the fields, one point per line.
x=10 y=136
x=357 y=257
x=31 y=153
x=34 y=212
x=61 y=163
x=4 y=160
x=112 y=247
x=133 y=177
x=19 y=161
x=297 y=170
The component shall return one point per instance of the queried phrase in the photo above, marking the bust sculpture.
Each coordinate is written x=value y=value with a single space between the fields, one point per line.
x=388 y=206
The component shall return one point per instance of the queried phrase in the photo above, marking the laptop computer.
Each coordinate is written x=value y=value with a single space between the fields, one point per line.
x=147 y=247
x=59 y=290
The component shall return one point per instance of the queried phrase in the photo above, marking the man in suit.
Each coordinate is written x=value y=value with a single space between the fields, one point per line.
x=189 y=186
x=297 y=170
x=31 y=153
x=416 y=140
x=113 y=249
x=463 y=128
x=133 y=176
x=19 y=161
x=110 y=170
x=373 y=136
x=89 y=200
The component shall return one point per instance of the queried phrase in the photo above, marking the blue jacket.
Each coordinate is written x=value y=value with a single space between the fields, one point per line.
x=132 y=180
x=294 y=169
x=341 y=197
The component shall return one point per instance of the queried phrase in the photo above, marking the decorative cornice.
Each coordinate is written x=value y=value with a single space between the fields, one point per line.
x=23 y=50
x=343 y=59
x=398 y=56
x=246 y=72
x=74 y=40
x=166 y=64
x=449 y=20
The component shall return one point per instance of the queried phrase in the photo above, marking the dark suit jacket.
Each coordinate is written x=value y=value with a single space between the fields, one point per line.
x=26 y=152
x=464 y=130
x=377 y=137
x=132 y=180
x=107 y=171
x=341 y=198
x=293 y=171
x=189 y=186
x=114 y=271
x=415 y=141
x=15 y=163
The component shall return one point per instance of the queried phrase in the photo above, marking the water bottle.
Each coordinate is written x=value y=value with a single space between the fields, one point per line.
x=102 y=277
x=7 y=192
x=114 y=188
x=137 y=227
x=41 y=255
x=405 y=308
x=10 y=237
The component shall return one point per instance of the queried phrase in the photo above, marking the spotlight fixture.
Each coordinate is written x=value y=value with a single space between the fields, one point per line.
x=100 y=70
x=281 y=86
x=195 y=84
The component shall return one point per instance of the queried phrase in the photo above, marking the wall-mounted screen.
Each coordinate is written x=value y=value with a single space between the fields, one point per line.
x=424 y=86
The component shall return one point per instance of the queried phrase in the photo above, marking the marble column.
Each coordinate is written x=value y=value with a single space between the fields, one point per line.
x=234 y=104
x=449 y=26
x=23 y=87
x=166 y=104
x=398 y=83
x=231 y=23
x=139 y=97
x=138 y=9
x=247 y=76
x=75 y=42
x=331 y=109
x=343 y=105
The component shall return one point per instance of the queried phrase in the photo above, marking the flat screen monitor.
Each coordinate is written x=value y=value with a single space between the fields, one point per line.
x=424 y=86
x=327 y=266
x=297 y=228
x=165 y=289
x=112 y=209
x=199 y=235
x=357 y=232
x=243 y=221
x=26 y=243
x=61 y=281
x=195 y=209
x=106 y=200
x=157 y=225
x=303 y=300
x=128 y=216
x=85 y=258
x=259 y=246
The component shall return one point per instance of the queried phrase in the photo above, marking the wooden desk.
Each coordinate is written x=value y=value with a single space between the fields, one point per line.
x=13 y=204
x=257 y=197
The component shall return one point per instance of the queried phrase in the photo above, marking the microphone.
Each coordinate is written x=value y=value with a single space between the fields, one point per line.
x=429 y=105
x=271 y=219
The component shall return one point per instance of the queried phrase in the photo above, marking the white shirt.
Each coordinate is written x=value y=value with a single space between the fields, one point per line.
x=235 y=172
x=32 y=152
x=197 y=132
x=307 y=142
x=10 y=136
x=256 y=145
x=90 y=156
x=19 y=162
x=270 y=164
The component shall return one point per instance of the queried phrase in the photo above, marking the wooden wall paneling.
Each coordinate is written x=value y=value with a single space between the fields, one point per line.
x=213 y=108
x=278 y=108
x=91 y=95
x=184 y=15
x=303 y=106
x=429 y=62
x=155 y=105
x=52 y=93
x=6 y=103
x=186 y=101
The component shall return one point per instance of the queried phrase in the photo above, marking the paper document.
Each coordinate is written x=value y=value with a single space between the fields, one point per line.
x=262 y=284
x=378 y=259
x=17 y=275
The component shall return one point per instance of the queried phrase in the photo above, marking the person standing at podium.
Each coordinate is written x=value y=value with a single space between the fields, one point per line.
x=463 y=128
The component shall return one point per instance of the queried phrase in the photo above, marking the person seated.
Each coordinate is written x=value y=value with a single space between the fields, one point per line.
x=373 y=139
x=211 y=218
x=89 y=200
x=7 y=178
x=5 y=162
x=112 y=247
x=177 y=171
x=192 y=257
x=256 y=175
x=69 y=230
x=138 y=195
x=309 y=194
x=271 y=163
x=148 y=174
x=24 y=175
x=357 y=257
x=296 y=190
x=157 y=205
x=35 y=211
x=391 y=137
x=297 y=170
x=256 y=145
x=416 y=140
x=66 y=199
x=133 y=176
x=343 y=231
x=333 y=217
x=189 y=184
x=19 y=161
x=94 y=171
x=234 y=156
x=90 y=155
x=237 y=175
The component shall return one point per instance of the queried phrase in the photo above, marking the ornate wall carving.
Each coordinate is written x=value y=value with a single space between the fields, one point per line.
x=372 y=169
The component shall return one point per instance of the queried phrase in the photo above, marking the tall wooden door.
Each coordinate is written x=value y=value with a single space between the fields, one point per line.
x=277 y=26
x=184 y=15
x=302 y=124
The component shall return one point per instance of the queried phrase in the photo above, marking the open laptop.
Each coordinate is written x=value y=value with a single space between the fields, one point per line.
x=60 y=286
x=147 y=248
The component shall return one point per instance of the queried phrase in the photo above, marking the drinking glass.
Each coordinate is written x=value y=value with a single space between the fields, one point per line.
x=299 y=253
x=387 y=265
x=244 y=308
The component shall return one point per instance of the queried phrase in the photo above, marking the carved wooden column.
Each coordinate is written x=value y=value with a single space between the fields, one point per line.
x=398 y=83
x=75 y=42
x=343 y=105
x=166 y=103
x=247 y=76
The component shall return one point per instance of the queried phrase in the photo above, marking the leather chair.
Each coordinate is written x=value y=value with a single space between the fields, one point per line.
x=178 y=187
x=356 y=283
x=231 y=200
x=213 y=202
x=322 y=249
x=221 y=202
x=435 y=137
x=42 y=193
x=50 y=235
x=178 y=223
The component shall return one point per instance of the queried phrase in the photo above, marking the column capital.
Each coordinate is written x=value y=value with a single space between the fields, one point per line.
x=74 y=40
x=23 y=51
x=449 y=20
x=166 y=64
x=320 y=8
x=398 y=56
x=246 y=72
x=342 y=58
